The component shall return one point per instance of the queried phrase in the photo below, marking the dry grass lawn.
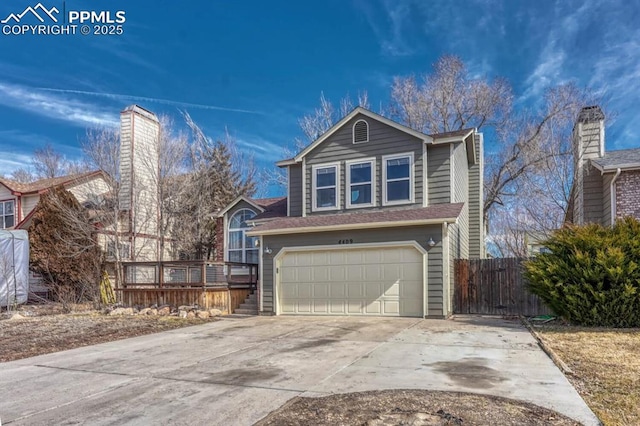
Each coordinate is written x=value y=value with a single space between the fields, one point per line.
x=606 y=367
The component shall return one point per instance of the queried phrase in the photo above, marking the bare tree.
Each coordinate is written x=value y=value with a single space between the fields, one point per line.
x=48 y=163
x=22 y=175
x=450 y=99
x=313 y=125
x=530 y=170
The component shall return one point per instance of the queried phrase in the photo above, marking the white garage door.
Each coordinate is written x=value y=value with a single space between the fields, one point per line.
x=385 y=281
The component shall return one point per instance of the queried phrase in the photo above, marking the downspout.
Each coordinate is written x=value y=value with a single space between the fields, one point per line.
x=613 y=196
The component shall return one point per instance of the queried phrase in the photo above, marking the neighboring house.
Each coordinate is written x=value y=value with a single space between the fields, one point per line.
x=18 y=200
x=133 y=218
x=374 y=217
x=606 y=185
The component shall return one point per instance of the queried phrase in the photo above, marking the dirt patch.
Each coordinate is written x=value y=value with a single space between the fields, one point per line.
x=605 y=365
x=44 y=330
x=411 y=407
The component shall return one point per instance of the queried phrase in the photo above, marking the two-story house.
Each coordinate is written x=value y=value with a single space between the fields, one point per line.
x=606 y=184
x=374 y=217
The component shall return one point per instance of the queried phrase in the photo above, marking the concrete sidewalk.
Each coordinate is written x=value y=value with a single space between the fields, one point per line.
x=235 y=371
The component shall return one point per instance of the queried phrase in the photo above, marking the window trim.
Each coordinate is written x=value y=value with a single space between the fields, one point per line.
x=348 y=184
x=353 y=131
x=314 y=188
x=229 y=229
x=15 y=213
x=412 y=197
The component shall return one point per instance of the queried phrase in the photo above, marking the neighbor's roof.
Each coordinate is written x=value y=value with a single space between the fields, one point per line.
x=44 y=184
x=438 y=213
x=623 y=159
x=273 y=207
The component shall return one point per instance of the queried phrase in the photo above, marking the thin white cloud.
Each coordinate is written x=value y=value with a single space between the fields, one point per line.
x=261 y=149
x=390 y=31
x=55 y=106
x=11 y=161
x=121 y=97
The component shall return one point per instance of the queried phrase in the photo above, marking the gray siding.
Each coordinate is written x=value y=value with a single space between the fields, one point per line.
x=439 y=173
x=606 y=199
x=476 y=220
x=434 y=256
x=461 y=195
x=592 y=195
x=587 y=141
x=295 y=190
x=383 y=140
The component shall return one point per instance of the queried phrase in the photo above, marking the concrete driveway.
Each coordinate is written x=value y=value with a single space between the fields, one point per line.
x=237 y=370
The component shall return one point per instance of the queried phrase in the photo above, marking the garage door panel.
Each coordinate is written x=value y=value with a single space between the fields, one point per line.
x=374 y=307
x=391 y=307
x=392 y=290
x=372 y=257
x=408 y=306
x=373 y=272
x=337 y=273
x=355 y=307
x=337 y=291
x=321 y=290
x=373 y=290
x=304 y=290
x=337 y=307
x=320 y=306
x=354 y=290
x=354 y=272
x=411 y=290
x=352 y=281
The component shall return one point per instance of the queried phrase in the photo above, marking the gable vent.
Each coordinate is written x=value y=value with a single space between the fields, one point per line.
x=360 y=132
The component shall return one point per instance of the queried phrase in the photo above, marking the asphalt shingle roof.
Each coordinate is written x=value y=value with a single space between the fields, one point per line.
x=422 y=214
x=273 y=207
x=43 y=184
x=622 y=158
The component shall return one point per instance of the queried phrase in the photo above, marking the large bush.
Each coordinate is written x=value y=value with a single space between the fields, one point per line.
x=64 y=247
x=591 y=274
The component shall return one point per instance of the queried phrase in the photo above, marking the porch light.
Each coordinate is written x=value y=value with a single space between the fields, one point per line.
x=267 y=250
x=431 y=243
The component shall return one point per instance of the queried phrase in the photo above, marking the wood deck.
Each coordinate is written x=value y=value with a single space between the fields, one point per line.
x=219 y=285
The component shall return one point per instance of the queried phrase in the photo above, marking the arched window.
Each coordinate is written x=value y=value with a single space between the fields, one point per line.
x=360 y=131
x=241 y=248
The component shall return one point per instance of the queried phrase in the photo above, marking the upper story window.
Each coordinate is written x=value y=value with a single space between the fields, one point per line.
x=241 y=248
x=397 y=179
x=360 y=183
x=7 y=214
x=325 y=187
x=360 y=131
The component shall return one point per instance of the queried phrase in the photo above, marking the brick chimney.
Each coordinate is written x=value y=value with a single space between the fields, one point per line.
x=588 y=143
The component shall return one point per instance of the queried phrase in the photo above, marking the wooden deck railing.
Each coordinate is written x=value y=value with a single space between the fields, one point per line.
x=189 y=274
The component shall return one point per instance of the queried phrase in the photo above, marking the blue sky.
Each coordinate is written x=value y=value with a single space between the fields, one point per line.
x=256 y=67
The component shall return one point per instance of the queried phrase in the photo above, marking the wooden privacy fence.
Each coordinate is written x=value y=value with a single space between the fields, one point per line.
x=494 y=287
